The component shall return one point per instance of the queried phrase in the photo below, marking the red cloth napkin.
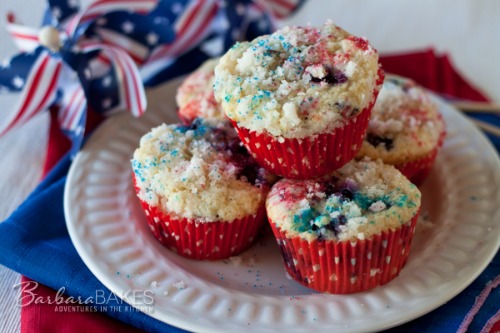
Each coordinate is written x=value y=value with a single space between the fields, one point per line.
x=43 y=317
x=433 y=71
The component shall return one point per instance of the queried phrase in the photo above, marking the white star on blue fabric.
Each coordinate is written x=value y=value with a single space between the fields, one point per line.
x=176 y=8
x=152 y=38
x=73 y=3
x=160 y=20
x=102 y=21
x=78 y=130
x=17 y=81
x=75 y=48
x=106 y=82
x=5 y=63
x=106 y=103
x=56 y=11
x=87 y=72
x=128 y=27
x=240 y=9
x=213 y=47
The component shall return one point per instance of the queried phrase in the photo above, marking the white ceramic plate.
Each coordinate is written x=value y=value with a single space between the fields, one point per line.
x=252 y=293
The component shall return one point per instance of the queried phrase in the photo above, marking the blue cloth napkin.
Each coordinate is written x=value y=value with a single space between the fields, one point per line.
x=34 y=241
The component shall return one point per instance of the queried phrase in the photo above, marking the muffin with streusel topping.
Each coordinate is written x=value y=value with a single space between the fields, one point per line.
x=195 y=96
x=405 y=130
x=202 y=193
x=346 y=232
x=301 y=97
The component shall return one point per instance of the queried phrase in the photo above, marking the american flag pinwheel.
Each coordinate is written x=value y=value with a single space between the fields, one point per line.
x=101 y=54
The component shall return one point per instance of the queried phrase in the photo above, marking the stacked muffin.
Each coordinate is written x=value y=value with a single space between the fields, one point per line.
x=405 y=130
x=195 y=96
x=300 y=100
x=202 y=192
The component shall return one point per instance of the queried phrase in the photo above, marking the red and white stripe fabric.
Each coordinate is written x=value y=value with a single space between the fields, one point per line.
x=39 y=90
x=25 y=38
x=464 y=326
x=131 y=88
x=72 y=107
x=136 y=50
x=191 y=27
x=279 y=8
x=102 y=7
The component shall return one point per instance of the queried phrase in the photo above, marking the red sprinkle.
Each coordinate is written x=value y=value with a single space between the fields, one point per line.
x=359 y=42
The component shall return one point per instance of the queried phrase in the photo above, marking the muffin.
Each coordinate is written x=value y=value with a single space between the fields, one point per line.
x=195 y=96
x=301 y=97
x=203 y=194
x=406 y=128
x=346 y=232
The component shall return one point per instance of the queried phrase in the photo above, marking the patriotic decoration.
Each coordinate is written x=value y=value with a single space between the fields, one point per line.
x=480 y=300
x=100 y=55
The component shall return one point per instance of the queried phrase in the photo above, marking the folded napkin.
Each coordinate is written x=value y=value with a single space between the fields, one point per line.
x=34 y=242
x=437 y=73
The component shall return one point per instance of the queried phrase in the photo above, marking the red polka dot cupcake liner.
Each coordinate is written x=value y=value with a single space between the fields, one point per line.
x=204 y=240
x=346 y=267
x=418 y=170
x=313 y=156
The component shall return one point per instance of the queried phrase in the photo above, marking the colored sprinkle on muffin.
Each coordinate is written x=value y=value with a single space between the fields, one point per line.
x=298 y=81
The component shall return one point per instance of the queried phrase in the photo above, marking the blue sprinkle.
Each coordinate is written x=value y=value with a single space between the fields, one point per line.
x=197 y=126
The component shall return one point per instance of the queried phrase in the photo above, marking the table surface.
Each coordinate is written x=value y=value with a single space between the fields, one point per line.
x=467 y=30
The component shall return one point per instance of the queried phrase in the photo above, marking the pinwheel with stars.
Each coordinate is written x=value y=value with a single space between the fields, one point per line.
x=65 y=66
x=101 y=56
